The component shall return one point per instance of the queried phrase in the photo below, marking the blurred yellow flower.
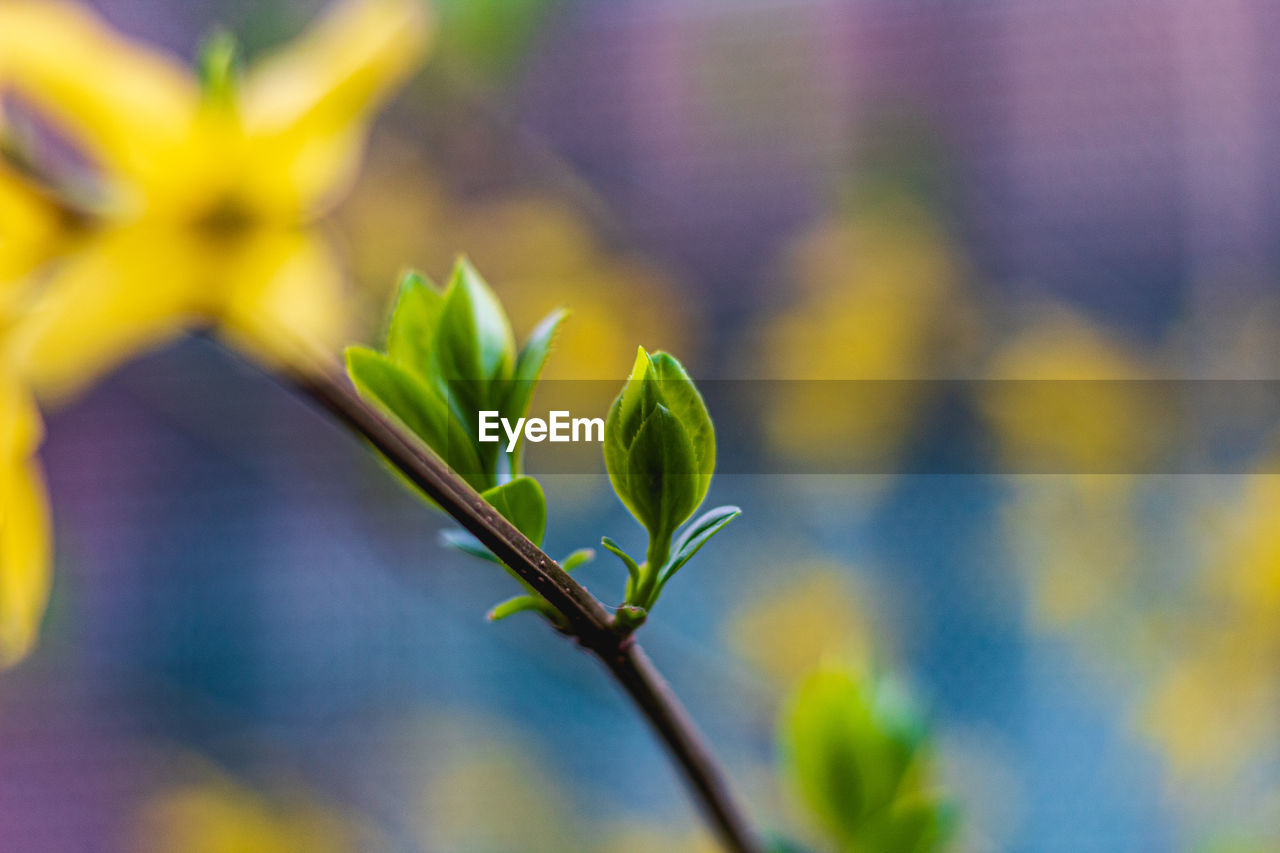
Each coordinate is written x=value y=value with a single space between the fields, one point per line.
x=1216 y=704
x=487 y=789
x=24 y=526
x=1066 y=419
x=1214 y=709
x=219 y=815
x=882 y=300
x=1067 y=398
x=206 y=198
x=813 y=617
x=1187 y=614
x=27 y=223
x=32 y=227
x=496 y=798
x=483 y=785
x=1077 y=538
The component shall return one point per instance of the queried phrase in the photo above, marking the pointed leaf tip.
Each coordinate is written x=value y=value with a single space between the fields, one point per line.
x=529 y=365
x=577 y=558
x=633 y=568
x=414 y=325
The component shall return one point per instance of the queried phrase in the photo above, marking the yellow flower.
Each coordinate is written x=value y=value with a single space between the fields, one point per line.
x=1072 y=400
x=31 y=227
x=24 y=526
x=1078 y=539
x=817 y=615
x=217 y=814
x=883 y=296
x=1215 y=707
x=207 y=197
x=1069 y=418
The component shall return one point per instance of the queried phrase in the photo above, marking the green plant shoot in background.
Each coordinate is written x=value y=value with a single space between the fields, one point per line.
x=857 y=755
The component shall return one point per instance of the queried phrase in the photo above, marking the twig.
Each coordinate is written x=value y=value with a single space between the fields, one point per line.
x=587 y=620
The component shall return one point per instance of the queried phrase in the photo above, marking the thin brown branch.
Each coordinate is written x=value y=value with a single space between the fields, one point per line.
x=587 y=620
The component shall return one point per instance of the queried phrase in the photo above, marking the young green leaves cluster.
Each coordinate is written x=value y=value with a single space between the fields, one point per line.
x=858 y=756
x=451 y=354
x=660 y=453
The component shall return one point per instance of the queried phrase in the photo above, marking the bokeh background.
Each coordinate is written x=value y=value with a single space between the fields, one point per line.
x=254 y=630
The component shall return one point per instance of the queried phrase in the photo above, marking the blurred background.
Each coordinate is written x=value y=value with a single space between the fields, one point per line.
x=256 y=640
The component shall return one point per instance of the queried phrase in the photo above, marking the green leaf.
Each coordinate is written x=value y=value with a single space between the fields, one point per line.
x=636 y=400
x=696 y=535
x=475 y=339
x=658 y=478
x=474 y=354
x=405 y=396
x=414 y=321
x=463 y=541
x=822 y=745
x=633 y=568
x=616 y=445
x=521 y=603
x=681 y=396
x=659 y=447
x=528 y=368
x=914 y=824
x=625 y=417
x=530 y=363
x=522 y=503
x=849 y=746
x=577 y=558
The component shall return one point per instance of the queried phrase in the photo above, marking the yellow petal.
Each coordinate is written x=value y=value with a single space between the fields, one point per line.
x=123 y=292
x=286 y=303
x=125 y=102
x=214 y=813
x=308 y=108
x=30 y=230
x=20 y=427
x=24 y=529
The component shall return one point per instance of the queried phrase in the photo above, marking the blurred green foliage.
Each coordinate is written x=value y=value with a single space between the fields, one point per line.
x=485 y=40
x=857 y=754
